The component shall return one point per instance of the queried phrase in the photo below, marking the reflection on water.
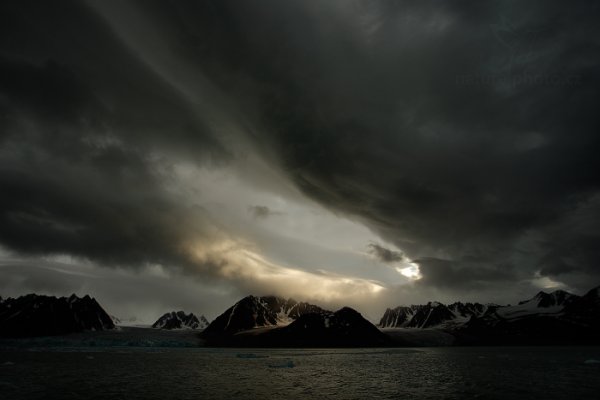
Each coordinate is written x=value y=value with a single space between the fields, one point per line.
x=201 y=373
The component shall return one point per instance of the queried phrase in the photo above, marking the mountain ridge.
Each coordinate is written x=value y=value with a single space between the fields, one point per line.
x=38 y=315
x=259 y=311
x=432 y=314
x=546 y=318
x=180 y=320
x=556 y=317
x=265 y=322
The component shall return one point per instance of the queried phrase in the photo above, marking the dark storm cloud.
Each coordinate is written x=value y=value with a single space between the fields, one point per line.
x=121 y=293
x=384 y=254
x=262 y=211
x=447 y=274
x=464 y=132
x=84 y=126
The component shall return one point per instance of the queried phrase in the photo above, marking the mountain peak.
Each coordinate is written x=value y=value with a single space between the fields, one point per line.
x=344 y=327
x=259 y=311
x=556 y=298
x=595 y=292
x=38 y=315
x=348 y=311
x=180 y=320
x=432 y=314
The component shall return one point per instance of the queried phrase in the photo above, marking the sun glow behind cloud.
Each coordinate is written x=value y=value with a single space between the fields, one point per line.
x=411 y=272
x=255 y=271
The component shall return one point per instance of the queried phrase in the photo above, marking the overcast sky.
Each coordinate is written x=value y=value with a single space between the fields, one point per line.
x=165 y=155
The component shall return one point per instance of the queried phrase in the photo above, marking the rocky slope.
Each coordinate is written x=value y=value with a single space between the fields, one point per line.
x=254 y=312
x=547 y=318
x=558 y=317
x=343 y=328
x=35 y=315
x=180 y=320
x=431 y=315
x=276 y=322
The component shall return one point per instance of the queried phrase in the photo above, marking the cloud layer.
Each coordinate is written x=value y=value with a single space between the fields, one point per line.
x=463 y=135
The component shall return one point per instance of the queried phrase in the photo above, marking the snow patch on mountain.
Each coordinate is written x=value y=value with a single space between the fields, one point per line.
x=432 y=314
x=557 y=304
x=260 y=311
x=180 y=320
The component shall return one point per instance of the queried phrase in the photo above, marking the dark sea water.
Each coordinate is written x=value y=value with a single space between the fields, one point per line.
x=205 y=373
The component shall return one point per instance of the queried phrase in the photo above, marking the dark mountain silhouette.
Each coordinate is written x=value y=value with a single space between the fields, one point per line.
x=253 y=311
x=35 y=315
x=343 y=328
x=557 y=317
x=548 y=318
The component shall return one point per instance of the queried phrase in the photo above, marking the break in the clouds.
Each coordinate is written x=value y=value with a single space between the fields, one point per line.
x=137 y=134
x=384 y=254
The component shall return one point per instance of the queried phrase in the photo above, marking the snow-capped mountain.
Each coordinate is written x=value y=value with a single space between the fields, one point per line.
x=437 y=315
x=35 y=315
x=311 y=326
x=547 y=318
x=253 y=311
x=558 y=317
x=556 y=304
x=556 y=298
x=541 y=304
x=180 y=320
x=432 y=314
